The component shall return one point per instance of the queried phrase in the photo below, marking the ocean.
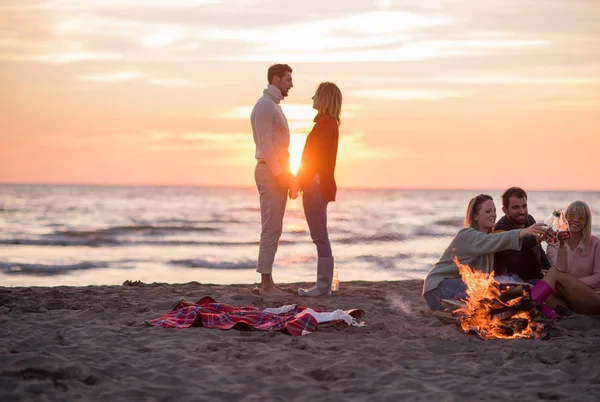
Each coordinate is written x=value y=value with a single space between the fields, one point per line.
x=52 y=235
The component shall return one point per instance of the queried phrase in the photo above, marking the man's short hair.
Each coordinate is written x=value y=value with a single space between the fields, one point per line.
x=512 y=192
x=277 y=70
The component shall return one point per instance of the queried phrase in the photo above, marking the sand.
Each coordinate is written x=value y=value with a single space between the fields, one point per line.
x=91 y=343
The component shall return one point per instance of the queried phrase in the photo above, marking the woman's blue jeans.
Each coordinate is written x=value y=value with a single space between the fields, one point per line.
x=315 y=211
x=453 y=289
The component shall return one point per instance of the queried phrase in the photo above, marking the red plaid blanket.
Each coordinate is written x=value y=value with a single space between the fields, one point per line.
x=210 y=314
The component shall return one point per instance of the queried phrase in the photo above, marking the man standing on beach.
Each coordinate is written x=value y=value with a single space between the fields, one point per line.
x=528 y=262
x=272 y=173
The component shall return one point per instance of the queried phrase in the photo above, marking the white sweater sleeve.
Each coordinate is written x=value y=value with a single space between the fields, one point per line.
x=263 y=117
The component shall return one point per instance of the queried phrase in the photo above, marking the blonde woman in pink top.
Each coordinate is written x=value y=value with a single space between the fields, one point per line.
x=578 y=255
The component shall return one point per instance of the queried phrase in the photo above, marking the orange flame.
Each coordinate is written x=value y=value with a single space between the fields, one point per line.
x=476 y=314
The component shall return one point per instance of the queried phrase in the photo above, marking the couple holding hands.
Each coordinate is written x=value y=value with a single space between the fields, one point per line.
x=315 y=177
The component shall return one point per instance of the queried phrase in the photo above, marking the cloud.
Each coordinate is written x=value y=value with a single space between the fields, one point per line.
x=476 y=79
x=63 y=57
x=80 y=5
x=375 y=35
x=224 y=138
x=112 y=77
x=374 y=28
x=95 y=30
x=355 y=146
x=292 y=111
x=124 y=76
x=220 y=149
x=175 y=82
x=408 y=51
x=48 y=51
x=408 y=94
x=383 y=4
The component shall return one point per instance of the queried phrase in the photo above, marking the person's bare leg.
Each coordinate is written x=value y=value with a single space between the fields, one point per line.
x=554 y=301
x=580 y=297
x=268 y=287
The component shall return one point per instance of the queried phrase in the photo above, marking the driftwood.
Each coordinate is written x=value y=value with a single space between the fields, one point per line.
x=452 y=304
x=446 y=317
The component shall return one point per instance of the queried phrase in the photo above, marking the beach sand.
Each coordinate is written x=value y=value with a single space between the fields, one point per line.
x=91 y=343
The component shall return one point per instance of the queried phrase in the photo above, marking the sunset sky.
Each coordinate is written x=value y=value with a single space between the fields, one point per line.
x=437 y=93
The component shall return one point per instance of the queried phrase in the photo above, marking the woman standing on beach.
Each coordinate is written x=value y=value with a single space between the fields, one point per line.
x=473 y=245
x=316 y=178
x=579 y=253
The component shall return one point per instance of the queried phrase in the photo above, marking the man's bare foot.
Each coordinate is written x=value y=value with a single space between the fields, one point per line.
x=272 y=290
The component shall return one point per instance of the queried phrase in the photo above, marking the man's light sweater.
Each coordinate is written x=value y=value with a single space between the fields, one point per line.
x=473 y=248
x=271 y=131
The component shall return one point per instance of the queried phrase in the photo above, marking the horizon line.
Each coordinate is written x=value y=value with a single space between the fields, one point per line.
x=390 y=188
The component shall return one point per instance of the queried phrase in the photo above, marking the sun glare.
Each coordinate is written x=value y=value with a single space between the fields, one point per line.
x=296 y=147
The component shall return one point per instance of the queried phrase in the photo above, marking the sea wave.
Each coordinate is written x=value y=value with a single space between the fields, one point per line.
x=455 y=223
x=376 y=238
x=200 y=263
x=67 y=239
x=441 y=232
x=188 y=222
x=108 y=242
x=103 y=242
x=50 y=269
x=389 y=262
x=145 y=230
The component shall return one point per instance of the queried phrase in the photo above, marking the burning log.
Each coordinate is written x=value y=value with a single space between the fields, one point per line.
x=506 y=330
x=492 y=304
x=493 y=313
x=512 y=293
x=502 y=330
x=517 y=324
x=510 y=311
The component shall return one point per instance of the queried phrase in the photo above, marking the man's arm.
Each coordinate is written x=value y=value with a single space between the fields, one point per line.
x=263 y=116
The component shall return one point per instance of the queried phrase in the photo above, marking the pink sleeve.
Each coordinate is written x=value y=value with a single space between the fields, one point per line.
x=558 y=256
x=593 y=280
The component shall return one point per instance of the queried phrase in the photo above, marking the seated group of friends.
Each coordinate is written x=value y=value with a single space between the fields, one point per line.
x=566 y=275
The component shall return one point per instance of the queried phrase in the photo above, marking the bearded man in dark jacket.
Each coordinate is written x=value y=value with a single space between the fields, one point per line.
x=528 y=262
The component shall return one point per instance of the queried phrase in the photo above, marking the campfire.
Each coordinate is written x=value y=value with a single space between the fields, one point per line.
x=495 y=311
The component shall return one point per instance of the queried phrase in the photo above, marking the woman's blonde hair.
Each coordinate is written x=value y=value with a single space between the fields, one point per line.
x=473 y=208
x=581 y=208
x=330 y=100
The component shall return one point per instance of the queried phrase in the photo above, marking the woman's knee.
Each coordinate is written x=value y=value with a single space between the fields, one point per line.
x=321 y=237
x=432 y=298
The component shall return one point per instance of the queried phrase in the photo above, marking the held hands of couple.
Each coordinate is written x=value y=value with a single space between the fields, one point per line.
x=288 y=181
x=294 y=192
